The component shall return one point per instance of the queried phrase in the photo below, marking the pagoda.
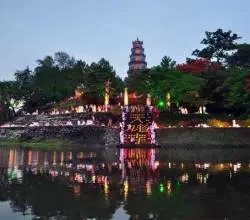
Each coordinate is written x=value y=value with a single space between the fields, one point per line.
x=137 y=65
x=137 y=61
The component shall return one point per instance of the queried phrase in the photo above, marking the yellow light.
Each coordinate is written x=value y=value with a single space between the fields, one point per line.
x=169 y=187
x=184 y=178
x=70 y=155
x=106 y=188
x=54 y=158
x=199 y=177
x=126 y=96
x=182 y=165
x=197 y=165
x=125 y=189
x=205 y=179
x=30 y=157
x=11 y=158
x=93 y=178
x=235 y=168
x=238 y=165
x=148 y=188
x=206 y=165
x=62 y=158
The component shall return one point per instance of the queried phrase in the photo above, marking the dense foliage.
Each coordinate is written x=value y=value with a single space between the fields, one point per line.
x=54 y=79
x=218 y=77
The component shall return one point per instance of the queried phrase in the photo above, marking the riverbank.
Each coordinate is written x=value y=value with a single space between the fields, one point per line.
x=97 y=137
x=52 y=136
x=203 y=137
x=45 y=144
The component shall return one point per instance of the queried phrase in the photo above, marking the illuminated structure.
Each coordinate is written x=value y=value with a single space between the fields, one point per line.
x=138 y=157
x=133 y=164
x=136 y=65
x=106 y=98
x=137 y=61
x=137 y=127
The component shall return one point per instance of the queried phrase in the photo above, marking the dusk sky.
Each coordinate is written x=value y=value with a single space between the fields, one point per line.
x=92 y=29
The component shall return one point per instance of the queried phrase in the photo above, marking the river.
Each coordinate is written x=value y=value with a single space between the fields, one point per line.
x=120 y=184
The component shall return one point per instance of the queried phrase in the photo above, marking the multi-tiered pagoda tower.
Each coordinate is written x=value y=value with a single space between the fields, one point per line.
x=137 y=58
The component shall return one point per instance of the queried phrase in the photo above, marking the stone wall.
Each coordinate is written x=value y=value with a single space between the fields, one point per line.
x=170 y=137
x=203 y=137
x=92 y=135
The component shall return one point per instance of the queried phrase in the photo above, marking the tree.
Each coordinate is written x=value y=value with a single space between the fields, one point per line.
x=24 y=80
x=241 y=58
x=167 y=63
x=46 y=62
x=10 y=100
x=63 y=60
x=181 y=86
x=199 y=66
x=138 y=82
x=97 y=74
x=237 y=97
x=213 y=91
x=218 y=44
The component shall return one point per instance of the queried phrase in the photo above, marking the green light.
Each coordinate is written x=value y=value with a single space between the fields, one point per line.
x=161 y=188
x=161 y=104
x=178 y=183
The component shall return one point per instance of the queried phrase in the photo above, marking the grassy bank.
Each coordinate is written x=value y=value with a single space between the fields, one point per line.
x=45 y=144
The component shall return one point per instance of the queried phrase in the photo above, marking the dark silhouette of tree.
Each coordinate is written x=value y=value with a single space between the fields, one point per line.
x=167 y=63
x=240 y=58
x=218 y=44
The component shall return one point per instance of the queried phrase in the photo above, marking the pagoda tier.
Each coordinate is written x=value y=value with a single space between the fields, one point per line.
x=137 y=58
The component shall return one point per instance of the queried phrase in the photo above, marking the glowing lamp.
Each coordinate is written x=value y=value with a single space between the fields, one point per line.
x=161 y=104
x=161 y=188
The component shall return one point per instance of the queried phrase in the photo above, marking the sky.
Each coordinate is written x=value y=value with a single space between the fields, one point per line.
x=92 y=29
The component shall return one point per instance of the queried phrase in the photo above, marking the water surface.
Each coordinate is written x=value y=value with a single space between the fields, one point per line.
x=120 y=184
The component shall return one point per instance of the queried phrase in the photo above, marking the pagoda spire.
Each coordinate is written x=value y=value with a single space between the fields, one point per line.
x=137 y=61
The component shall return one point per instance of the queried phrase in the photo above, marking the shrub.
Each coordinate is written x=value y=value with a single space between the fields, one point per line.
x=244 y=123
x=217 y=123
x=190 y=123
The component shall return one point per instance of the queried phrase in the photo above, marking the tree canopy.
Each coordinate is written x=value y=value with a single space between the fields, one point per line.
x=218 y=44
x=218 y=76
x=240 y=58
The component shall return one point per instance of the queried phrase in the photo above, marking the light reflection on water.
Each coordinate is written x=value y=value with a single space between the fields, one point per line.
x=123 y=183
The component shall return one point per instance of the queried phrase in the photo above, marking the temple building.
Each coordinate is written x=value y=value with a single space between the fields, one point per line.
x=137 y=65
x=137 y=61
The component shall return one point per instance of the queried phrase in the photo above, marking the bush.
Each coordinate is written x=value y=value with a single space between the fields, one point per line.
x=116 y=110
x=217 y=123
x=244 y=123
x=190 y=123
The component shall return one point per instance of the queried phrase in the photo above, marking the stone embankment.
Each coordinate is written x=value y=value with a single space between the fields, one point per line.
x=203 y=137
x=96 y=118
x=188 y=138
x=80 y=135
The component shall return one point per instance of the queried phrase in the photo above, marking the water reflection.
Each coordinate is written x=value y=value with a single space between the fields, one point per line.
x=86 y=184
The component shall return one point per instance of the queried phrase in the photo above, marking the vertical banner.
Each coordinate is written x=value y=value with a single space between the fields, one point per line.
x=137 y=126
